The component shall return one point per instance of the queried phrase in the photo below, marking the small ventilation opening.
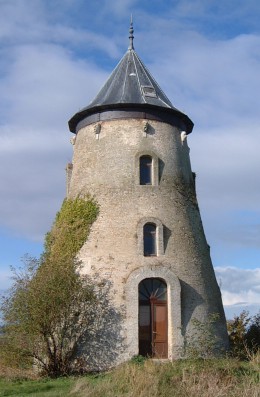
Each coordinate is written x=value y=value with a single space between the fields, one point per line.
x=149 y=91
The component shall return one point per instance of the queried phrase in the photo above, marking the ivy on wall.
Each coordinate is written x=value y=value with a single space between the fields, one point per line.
x=71 y=228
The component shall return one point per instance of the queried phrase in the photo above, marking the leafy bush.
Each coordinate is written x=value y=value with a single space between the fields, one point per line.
x=253 y=334
x=244 y=335
x=203 y=343
x=49 y=307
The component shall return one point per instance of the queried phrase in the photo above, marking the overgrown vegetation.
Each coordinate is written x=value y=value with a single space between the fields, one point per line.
x=244 y=335
x=49 y=307
x=204 y=342
x=182 y=378
x=70 y=229
x=243 y=332
x=191 y=378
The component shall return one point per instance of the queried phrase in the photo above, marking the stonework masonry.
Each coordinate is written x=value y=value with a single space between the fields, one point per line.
x=106 y=166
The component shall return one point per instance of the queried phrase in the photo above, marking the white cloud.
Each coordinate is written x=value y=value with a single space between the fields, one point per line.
x=216 y=80
x=43 y=87
x=226 y=160
x=19 y=27
x=239 y=286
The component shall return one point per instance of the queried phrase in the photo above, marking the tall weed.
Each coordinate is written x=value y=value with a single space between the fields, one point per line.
x=193 y=378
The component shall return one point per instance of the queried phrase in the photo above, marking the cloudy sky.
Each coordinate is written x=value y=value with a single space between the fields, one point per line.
x=54 y=57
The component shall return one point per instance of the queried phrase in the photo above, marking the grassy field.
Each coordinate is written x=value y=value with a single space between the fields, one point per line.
x=36 y=388
x=183 y=378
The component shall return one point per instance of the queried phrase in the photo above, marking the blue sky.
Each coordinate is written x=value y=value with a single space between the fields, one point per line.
x=205 y=54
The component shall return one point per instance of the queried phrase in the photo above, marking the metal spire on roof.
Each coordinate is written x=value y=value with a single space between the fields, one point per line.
x=131 y=34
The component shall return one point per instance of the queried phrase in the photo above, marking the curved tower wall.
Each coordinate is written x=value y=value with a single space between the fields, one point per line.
x=106 y=166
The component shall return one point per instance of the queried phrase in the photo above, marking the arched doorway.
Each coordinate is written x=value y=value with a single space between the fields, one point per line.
x=153 y=318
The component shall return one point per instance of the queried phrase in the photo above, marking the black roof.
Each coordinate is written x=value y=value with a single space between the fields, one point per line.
x=130 y=84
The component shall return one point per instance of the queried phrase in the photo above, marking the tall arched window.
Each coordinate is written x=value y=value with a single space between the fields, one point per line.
x=150 y=239
x=146 y=177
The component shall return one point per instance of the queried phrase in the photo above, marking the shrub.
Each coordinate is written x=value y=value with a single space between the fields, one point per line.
x=203 y=343
x=244 y=335
x=49 y=307
x=252 y=336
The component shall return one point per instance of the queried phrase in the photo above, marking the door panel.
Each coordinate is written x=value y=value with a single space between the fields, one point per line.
x=160 y=349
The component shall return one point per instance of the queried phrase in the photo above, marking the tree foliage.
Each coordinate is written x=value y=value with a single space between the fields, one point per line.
x=244 y=334
x=50 y=304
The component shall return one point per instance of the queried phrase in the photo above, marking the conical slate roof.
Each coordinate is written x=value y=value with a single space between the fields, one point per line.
x=129 y=85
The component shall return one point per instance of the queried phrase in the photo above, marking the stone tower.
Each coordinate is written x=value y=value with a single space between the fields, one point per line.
x=131 y=154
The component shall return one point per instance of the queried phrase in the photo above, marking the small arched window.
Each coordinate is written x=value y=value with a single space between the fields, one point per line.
x=146 y=170
x=149 y=236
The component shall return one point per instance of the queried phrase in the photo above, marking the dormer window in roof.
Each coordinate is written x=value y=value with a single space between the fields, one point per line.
x=149 y=91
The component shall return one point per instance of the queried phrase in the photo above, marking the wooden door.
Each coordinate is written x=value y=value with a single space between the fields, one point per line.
x=159 y=330
x=153 y=318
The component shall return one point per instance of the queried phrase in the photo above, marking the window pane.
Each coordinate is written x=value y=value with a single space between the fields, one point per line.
x=152 y=288
x=145 y=170
x=150 y=239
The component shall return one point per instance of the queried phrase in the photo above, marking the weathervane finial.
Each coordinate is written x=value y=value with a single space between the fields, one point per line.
x=131 y=34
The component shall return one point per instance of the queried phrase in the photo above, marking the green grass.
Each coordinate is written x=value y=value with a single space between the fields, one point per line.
x=36 y=388
x=193 y=378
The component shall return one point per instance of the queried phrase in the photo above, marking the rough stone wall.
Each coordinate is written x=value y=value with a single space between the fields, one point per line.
x=106 y=165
